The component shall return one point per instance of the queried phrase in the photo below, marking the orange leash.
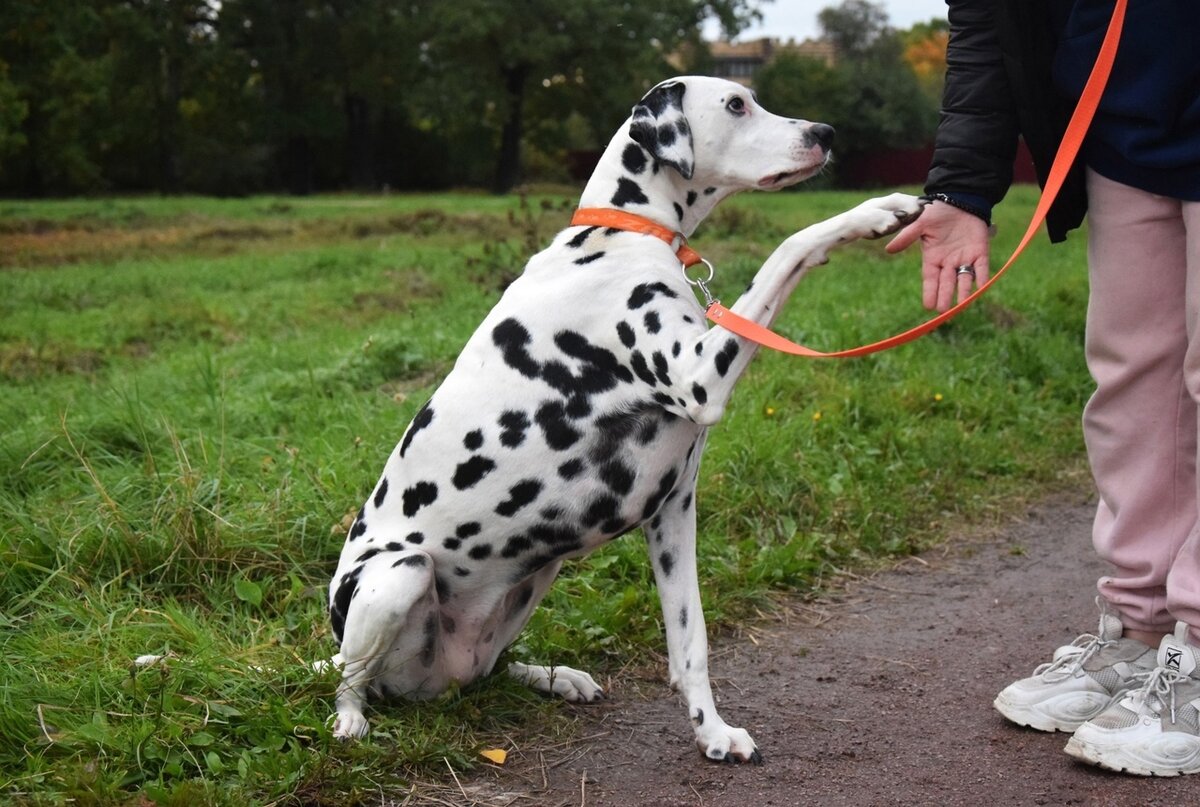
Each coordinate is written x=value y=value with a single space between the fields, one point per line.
x=1081 y=119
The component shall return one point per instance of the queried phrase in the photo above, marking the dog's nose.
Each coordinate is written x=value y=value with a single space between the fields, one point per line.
x=822 y=134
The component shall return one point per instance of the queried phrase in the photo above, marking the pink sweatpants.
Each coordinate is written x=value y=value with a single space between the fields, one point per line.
x=1143 y=350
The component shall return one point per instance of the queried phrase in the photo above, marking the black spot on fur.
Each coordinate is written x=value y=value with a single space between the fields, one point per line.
x=645 y=292
x=725 y=357
x=473 y=440
x=699 y=718
x=410 y=560
x=675 y=349
x=512 y=337
x=442 y=588
x=480 y=552
x=687 y=318
x=370 y=553
x=381 y=492
x=634 y=159
x=415 y=537
x=559 y=434
x=586 y=259
x=687 y=502
x=660 y=368
x=651 y=321
x=467 y=529
x=638 y=361
x=461 y=571
x=452 y=544
x=709 y=191
x=516 y=545
x=519 y=495
x=660 y=494
x=625 y=333
x=699 y=348
x=580 y=237
x=394 y=546
x=678 y=210
x=418 y=496
x=683 y=616
x=628 y=193
x=666 y=562
x=448 y=624
x=700 y=394
x=429 y=645
x=422 y=419
x=602 y=508
x=550 y=513
x=617 y=476
x=359 y=528
x=662 y=399
x=341 y=601
x=691 y=198
x=648 y=431
x=468 y=473
x=514 y=424
x=570 y=469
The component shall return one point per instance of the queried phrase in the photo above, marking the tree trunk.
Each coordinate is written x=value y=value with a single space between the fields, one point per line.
x=508 y=165
x=360 y=152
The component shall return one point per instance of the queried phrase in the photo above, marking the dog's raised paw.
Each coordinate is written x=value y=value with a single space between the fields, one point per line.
x=885 y=215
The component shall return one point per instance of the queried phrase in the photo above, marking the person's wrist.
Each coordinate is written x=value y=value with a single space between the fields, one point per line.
x=967 y=203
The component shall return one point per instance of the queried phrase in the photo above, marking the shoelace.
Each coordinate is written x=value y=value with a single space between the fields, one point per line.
x=1074 y=656
x=1159 y=682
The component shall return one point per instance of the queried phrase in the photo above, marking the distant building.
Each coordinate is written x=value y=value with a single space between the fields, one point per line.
x=739 y=61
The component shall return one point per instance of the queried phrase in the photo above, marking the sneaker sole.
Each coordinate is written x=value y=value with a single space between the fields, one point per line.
x=1064 y=713
x=1127 y=758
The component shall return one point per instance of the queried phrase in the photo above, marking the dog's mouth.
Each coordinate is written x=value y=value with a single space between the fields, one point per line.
x=785 y=178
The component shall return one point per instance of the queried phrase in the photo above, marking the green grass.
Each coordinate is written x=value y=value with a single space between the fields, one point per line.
x=195 y=394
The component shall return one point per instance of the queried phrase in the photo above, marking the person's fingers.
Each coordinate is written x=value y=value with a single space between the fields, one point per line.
x=946 y=286
x=905 y=238
x=929 y=284
x=964 y=281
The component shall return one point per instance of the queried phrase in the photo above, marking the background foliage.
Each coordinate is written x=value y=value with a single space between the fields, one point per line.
x=242 y=96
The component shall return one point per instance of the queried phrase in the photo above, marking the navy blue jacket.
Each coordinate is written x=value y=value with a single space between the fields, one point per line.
x=1017 y=67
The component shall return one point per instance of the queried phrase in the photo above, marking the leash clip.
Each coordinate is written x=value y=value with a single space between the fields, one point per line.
x=701 y=282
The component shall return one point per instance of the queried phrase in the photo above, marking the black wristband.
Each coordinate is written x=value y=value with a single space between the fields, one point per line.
x=963 y=206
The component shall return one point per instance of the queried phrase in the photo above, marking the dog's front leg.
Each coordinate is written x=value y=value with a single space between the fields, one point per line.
x=720 y=357
x=671 y=538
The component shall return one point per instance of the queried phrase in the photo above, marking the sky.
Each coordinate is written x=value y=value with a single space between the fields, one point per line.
x=797 y=19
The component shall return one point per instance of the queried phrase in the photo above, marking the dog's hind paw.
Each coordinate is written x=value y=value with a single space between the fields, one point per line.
x=572 y=685
x=728 y=744
x=349 y=725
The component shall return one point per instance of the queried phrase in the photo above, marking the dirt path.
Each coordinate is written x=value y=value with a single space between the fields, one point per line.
x=881 y=696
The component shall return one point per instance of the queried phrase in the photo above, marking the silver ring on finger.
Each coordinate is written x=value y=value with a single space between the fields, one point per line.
x=965 y=269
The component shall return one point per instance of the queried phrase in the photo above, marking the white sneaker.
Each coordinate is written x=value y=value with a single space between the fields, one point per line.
x=1153 y=730
x=1080 y=681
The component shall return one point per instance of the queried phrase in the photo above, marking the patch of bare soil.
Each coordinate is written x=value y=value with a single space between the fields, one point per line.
x=880 y=695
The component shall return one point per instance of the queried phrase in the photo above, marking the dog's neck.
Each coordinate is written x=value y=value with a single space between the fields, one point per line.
x=627 y=178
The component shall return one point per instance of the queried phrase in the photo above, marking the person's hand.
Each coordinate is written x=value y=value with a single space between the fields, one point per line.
x=950 y=239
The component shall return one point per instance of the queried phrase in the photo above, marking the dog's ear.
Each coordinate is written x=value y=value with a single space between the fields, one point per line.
x=660 y=127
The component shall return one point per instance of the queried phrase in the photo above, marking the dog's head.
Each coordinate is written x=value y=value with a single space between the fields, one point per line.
x=714 y=132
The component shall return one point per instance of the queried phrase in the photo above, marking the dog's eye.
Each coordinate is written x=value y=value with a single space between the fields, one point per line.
x=736 y=105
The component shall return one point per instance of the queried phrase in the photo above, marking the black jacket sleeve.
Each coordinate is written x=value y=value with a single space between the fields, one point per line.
x=977 y=134
x=999 y=87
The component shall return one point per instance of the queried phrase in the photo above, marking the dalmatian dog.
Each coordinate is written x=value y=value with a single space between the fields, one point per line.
x=577 y=412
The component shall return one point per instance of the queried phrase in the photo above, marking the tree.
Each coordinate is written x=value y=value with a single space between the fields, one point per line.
x=511 y=49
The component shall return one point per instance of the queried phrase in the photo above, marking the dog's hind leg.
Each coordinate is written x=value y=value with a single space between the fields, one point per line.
x=567 y=683
x=671 y=537
x=390 y=637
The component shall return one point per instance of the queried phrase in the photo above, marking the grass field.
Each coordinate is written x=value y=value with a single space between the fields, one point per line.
x=196 y=394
